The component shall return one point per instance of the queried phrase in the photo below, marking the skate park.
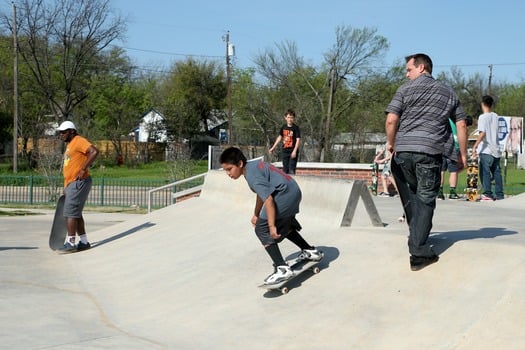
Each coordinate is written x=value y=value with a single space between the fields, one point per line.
x=186 y=277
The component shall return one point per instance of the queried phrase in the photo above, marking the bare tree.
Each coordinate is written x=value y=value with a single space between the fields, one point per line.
x=59 y=40
x=322 y=101
x=351 y=55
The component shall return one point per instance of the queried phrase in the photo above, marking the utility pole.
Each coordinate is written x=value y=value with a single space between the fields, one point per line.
x=333 y=74
x=230 y=51
x=15 y=94
x=490 y=79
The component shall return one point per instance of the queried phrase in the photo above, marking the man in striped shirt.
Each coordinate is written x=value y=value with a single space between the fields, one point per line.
x=418 y=132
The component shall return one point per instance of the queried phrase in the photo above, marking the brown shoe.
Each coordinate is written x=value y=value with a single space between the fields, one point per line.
x=419 y=262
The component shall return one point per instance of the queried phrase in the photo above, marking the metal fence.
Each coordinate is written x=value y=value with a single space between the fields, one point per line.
x=33 y=190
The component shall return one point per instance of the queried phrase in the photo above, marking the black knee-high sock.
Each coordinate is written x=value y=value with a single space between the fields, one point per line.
x=275 y=254
x=298 y=240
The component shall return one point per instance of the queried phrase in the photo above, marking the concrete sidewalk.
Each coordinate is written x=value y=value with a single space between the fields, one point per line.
x=186 y=277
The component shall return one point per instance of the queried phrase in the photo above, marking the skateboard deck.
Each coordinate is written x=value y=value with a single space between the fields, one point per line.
x=298 y=266
x=375 y=177
x=59 y=229
x=472 y=180
x=402 y=189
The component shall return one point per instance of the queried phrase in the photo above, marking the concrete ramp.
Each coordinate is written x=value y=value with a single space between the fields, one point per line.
x=335 y=202
x=185 y=277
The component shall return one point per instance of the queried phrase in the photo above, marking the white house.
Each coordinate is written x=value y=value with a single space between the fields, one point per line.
x=151 y=128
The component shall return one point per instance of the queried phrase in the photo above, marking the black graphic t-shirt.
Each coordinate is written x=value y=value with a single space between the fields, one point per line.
x=289 y=135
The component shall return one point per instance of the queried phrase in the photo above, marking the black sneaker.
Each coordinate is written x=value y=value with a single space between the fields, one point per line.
x=441 y=195
x=453 y=195
x=67 y=248
x=83 y=246
x=419 y=262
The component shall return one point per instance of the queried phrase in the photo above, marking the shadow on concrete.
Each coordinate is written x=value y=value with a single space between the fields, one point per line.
x=17 y=248
x=444 y=240
x=123 y=234
x=330 y=254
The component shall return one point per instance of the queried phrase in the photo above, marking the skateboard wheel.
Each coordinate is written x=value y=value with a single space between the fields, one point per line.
x=316 y=270
x=284 y=290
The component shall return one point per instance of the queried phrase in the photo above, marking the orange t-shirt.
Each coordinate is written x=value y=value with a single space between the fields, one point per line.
x=74 y=158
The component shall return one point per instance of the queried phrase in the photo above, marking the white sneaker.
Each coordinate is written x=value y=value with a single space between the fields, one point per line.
x=282 y=273
x=311 y=254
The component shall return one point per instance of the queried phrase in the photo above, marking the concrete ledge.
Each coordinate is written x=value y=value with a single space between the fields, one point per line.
x=342 y=202
x=337 y=202
x=188 y=192
x=318 y=165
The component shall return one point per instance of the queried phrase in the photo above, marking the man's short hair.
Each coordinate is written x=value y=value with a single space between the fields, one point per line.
x=421 y=58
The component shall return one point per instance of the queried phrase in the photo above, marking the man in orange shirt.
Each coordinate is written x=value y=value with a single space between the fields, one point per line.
x=79 y=155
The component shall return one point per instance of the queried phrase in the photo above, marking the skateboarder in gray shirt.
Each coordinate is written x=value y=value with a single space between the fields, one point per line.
x=277 y=202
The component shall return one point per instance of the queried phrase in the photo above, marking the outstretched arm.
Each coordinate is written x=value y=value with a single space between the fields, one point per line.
x=480 y=138
x=391 y=123
x=461 y=129
x=277 y=140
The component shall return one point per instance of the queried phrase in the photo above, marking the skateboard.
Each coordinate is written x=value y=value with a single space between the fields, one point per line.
x=402 y=189
x=298 y=266
x=472 y=180
x=59 y=229
x=375 y=177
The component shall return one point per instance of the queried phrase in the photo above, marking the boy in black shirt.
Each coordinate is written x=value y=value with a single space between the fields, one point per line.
x=290 y=134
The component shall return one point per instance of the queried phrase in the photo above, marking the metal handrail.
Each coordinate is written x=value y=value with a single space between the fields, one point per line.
x=150 y=192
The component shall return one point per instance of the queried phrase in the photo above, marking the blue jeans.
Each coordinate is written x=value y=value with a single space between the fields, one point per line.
x=423 y=176
x=490 y=169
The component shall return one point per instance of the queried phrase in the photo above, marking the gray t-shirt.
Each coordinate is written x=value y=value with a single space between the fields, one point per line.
x=424 y=106
x=267 y=180
x=489 y=124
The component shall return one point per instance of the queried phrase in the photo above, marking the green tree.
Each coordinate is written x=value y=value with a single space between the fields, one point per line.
x=6 y=95
x=470 y=90
x=252 y=111
x=33 y=115
x=118 y=99
x=511 y=100
x=193 y=95
x=371 y=95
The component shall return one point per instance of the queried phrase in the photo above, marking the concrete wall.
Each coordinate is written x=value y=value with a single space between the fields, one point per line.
x=335 y=202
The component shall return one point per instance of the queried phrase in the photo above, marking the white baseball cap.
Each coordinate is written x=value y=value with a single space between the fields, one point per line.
x=67 y=125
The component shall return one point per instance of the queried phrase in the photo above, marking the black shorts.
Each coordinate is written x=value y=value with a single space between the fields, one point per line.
x=284 y=227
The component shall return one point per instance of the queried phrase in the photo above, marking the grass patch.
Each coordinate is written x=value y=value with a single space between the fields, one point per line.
x=18 y=213
x=513 y=180
x=166 y=171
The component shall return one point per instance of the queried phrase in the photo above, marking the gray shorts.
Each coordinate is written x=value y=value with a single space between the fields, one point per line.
x=284 y=227
x=76 y=195
x=450 y=165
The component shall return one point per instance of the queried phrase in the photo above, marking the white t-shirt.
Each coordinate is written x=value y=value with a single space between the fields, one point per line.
x=488 y=123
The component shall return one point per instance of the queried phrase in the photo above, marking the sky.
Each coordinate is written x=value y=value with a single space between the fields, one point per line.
x=467 y=34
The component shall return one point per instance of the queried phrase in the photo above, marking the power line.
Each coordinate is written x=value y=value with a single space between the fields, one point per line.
x=169 y=53
x=480 y=64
